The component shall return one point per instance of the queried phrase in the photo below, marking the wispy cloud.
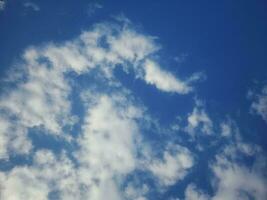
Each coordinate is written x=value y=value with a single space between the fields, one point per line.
x=259 y=102
x=93 y=7
x=2 y=4
x=32 y=6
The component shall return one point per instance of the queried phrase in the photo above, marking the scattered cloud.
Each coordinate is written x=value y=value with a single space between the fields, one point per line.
x=173 y=166
x=199 y=120
x=108 y=148
x=236 y=181
x=40 y=97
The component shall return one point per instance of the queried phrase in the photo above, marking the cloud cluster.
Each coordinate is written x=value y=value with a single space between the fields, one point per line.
x=40 y=97
x=199 y=121
x=107 y=152
x=174 y=165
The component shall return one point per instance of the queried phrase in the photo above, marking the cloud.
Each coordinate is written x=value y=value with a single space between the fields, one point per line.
x=163 y=80
x=32 y=6
x=259 y=104
x=109 y=128
x=136 y=192
x=41 y=97
x=192 y=193
x=92 y=7
x=199 y=120
x=108 y=149
x=2 y=4
x=173 y=166
x=49 y=173
x=235 y=181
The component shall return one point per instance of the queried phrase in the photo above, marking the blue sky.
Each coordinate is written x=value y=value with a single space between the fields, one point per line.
x=133 y=100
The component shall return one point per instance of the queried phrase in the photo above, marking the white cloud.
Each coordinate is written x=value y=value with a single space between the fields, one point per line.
x=163 y=80
x=110 y=135
x=48 y=173
x=13 y=139
x=108 y=128
x=41 y=95
x=199 y=120
x=173 y=166
x=259 y=105
x=136 y=192
x=107 y=145
x=132 y=46
x=192 y=193
x=235 y=181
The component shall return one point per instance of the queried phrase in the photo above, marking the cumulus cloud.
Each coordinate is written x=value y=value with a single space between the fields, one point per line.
x=108 y=147
x=39 y=96
x=231 y=178
x=136 y=192
x=173 y=166
x=199 y=120
x=235 y=181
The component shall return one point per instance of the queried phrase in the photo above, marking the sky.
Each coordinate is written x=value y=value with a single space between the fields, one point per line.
x=133 y=100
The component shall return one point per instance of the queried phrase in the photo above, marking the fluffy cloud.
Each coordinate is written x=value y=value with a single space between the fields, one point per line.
x=192 y=193
x=108 y=147
x=41 y=97
x=163 y=80
x=235 y=181
x=48 y=173
x=199 y=120
x=173 y=166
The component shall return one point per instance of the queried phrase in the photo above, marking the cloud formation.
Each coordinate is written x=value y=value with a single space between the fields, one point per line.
x=2 y=4
x=106 y=150
x=31 y=5
x=40 y=97
x=259 y=104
